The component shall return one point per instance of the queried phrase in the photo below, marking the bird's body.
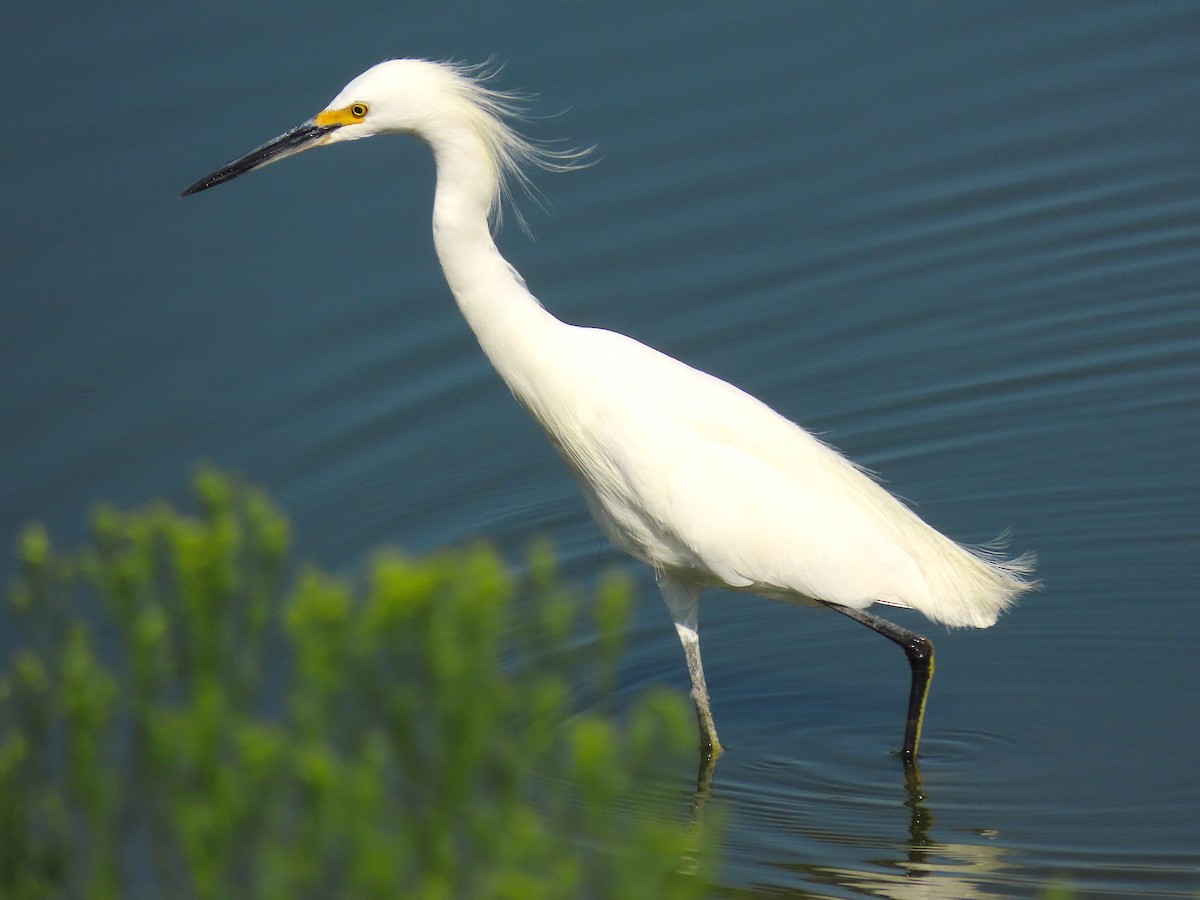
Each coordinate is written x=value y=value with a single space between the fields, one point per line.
x=703 y=481
x=685 y=472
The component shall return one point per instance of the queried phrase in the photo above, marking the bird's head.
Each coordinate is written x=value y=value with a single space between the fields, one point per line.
x=398 y=96
x=449 y=105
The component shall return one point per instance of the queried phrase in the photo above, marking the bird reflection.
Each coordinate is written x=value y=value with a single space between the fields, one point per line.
x=916 y=865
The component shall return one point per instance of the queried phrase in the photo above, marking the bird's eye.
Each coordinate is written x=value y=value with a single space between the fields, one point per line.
x=358 y=110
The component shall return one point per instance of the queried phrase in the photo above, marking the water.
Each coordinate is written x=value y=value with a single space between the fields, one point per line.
x=962 y=241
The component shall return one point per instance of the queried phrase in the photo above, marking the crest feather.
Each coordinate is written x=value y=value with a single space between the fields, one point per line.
x=511 y=152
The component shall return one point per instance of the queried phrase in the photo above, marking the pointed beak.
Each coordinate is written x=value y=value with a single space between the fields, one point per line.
x=302 y=137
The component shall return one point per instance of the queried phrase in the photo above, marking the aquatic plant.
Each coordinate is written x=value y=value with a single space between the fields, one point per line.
x=188 y=714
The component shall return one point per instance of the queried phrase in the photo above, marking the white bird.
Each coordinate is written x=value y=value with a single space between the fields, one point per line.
x=685 y=472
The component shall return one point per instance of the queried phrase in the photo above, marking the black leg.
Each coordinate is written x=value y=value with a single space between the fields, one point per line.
x=919 y=651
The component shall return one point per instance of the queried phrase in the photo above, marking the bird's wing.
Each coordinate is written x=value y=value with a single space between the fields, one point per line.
x=754 y=525
x=706 y=478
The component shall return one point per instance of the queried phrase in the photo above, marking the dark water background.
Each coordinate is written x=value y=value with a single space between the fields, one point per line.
x=962 y=240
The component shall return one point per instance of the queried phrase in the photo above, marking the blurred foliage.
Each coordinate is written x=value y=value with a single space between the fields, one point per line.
x=1058 y=891
x=175 y=722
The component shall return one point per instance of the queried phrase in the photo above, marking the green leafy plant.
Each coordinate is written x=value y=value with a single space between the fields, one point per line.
x=175 y=721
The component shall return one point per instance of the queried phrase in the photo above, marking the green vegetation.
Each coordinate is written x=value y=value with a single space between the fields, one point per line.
x=180 y=720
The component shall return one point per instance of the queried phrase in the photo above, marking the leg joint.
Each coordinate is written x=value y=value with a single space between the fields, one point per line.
x=918 y=649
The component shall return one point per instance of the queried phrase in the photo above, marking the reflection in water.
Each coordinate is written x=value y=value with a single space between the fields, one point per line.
x=923 y=867
x=921 y=820
x=950 y=871
x=929 y=868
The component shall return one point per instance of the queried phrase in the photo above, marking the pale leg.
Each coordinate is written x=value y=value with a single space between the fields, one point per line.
x=683 y=600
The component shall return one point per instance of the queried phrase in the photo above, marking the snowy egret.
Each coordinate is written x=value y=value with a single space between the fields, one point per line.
x=685 y=472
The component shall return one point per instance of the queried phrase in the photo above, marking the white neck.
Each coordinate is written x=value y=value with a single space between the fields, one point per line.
x=507 y=320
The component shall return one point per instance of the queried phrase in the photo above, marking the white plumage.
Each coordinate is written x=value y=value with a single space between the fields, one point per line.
x=689 y=474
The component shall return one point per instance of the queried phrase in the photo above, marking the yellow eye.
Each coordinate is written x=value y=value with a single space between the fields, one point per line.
x=358 y=110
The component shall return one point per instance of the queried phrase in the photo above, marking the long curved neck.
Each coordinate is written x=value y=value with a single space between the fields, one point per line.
x=507 y=320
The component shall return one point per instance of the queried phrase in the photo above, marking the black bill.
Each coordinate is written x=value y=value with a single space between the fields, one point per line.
x=299 y=138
